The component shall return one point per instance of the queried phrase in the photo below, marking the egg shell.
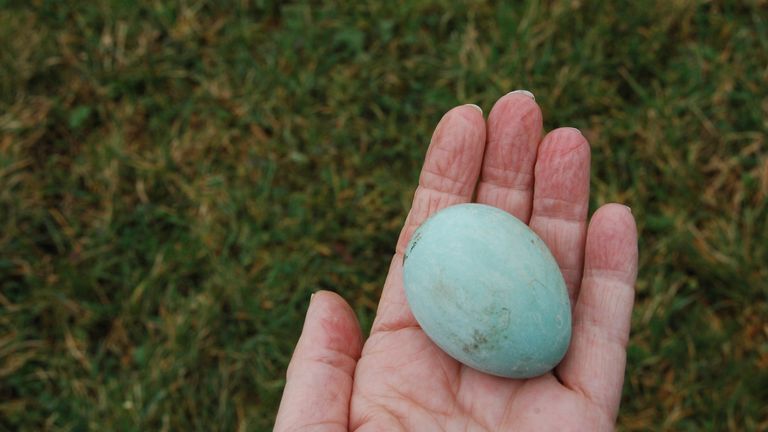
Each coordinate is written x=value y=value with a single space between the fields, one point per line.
x=487 y=290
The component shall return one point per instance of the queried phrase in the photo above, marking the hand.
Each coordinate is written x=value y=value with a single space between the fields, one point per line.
x=399 y=380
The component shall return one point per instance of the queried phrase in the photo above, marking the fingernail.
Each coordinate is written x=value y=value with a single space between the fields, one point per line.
x=311 y=297
x=629 y=209
x=476 y=107
x=573 y=128
x=524 y=92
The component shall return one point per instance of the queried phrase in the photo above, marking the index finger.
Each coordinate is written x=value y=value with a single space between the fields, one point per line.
x=448 y=177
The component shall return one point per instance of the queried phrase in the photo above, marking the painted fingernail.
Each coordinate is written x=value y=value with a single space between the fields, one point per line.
x=524 y=92
x=475 y=107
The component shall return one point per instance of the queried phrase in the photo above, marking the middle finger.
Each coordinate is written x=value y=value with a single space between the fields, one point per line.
x=514 y=131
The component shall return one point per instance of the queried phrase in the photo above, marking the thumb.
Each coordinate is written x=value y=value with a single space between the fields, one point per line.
x=319 y=379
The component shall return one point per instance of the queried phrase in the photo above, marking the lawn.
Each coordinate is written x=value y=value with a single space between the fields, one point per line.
x=176 y=179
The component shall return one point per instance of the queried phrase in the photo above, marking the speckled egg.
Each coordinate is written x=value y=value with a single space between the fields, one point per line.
x=487 y=291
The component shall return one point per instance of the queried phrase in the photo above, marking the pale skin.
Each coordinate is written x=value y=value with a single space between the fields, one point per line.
x=398 y=380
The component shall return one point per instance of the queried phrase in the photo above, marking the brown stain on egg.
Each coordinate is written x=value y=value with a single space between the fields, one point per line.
x=488 y=339
x=444 y=293
x=479 y=342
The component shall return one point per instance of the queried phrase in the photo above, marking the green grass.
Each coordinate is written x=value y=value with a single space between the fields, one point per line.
x=176 y=178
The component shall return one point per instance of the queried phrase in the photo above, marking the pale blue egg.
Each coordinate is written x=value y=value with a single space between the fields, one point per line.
x=487 y=291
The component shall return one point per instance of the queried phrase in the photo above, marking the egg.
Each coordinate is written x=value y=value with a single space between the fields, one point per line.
x=487 y=290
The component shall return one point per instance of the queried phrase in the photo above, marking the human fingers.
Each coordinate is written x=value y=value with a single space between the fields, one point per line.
x=594 y=364
x=561 y=201
x=448 y=177
x=319 y=379
x=514 y=131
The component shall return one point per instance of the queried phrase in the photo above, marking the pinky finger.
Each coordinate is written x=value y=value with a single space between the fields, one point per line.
x=595 y=362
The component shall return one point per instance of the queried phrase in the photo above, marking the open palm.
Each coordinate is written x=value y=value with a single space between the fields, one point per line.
x=398 y=379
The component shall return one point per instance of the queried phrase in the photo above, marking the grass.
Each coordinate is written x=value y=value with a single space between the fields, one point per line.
x=176 y=178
